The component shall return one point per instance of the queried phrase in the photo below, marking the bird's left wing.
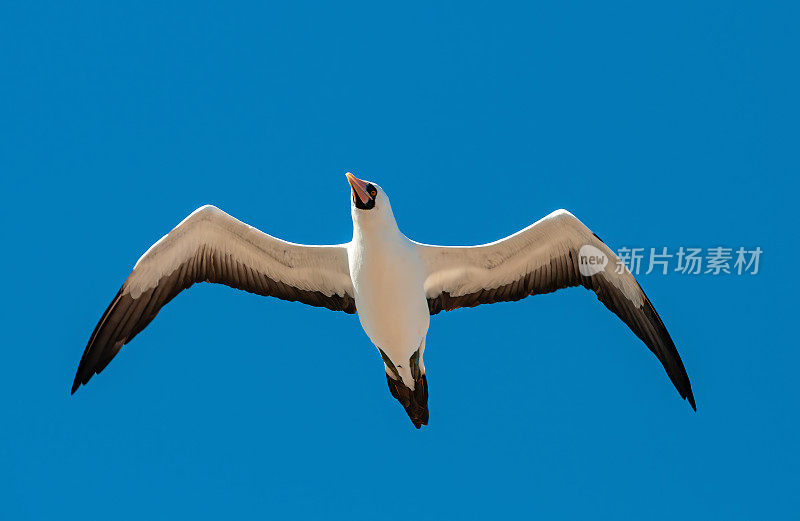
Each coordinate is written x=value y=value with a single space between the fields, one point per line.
x=542 y=258
x=211 y=246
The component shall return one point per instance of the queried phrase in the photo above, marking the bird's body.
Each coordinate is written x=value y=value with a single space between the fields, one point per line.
x=392 y=282
x=388 y=281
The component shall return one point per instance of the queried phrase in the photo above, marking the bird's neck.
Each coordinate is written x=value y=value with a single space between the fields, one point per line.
x=375 y=228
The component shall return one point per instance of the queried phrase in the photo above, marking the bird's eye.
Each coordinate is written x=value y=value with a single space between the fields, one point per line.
x=373 y=193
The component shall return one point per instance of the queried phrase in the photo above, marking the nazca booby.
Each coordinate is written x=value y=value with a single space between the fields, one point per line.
x=392 y=282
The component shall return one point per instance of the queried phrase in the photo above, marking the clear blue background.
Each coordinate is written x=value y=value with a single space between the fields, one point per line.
x=657 y=126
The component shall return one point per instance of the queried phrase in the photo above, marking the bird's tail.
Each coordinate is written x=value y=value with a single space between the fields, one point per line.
x=415 y=402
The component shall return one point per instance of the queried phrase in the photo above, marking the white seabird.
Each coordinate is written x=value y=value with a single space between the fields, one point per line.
x=392 y=282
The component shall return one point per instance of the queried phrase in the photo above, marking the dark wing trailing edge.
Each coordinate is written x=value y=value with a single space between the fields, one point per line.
x=543 y=258
x=211 y=246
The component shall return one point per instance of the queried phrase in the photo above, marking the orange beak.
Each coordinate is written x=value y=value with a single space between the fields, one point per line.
x=359 y=187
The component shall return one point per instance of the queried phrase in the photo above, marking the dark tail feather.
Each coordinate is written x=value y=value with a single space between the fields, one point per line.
x=415 y=402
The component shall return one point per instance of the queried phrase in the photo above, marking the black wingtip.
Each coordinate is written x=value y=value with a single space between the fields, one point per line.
x=690 y=397
x=77 y=382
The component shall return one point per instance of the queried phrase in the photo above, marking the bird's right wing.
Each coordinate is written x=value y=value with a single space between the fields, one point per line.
x=542 y=258
x=211 y=246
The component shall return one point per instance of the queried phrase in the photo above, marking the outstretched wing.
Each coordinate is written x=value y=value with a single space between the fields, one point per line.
x=545 y=257
x=211 y=246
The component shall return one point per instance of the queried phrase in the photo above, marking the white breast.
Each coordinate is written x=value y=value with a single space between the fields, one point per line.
x=389 y=290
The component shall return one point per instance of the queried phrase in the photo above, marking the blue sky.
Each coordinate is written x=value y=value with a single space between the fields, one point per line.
x=661 y=126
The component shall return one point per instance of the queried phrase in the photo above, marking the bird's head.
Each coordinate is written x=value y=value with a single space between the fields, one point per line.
x=368 y=202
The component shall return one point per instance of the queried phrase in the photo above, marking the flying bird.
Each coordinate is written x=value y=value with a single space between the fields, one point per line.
x=394 y=284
